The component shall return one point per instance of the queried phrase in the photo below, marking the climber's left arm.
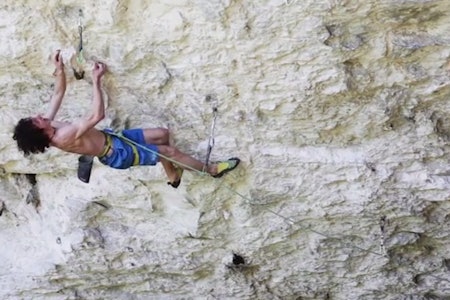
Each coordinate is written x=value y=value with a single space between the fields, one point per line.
x=60 y=86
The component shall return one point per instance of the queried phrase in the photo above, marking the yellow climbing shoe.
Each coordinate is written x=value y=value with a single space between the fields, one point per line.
x=226 y=166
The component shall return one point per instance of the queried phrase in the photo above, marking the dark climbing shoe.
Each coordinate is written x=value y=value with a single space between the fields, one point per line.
x=176 y=183
x=224 y=167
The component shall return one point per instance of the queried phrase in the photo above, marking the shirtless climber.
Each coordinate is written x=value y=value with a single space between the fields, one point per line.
x=35 y=134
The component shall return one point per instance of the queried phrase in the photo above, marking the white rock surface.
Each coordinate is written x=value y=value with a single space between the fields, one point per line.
x=338 y=110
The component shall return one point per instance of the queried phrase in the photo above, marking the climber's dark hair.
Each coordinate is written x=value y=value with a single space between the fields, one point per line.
x=30 y=138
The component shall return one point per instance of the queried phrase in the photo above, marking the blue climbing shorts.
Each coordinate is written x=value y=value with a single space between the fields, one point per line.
x=126 y=154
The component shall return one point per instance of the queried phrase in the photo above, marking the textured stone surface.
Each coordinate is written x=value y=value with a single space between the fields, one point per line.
x=338 y=109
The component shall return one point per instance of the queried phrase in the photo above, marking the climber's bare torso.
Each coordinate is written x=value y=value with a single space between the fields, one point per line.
x=91 y=142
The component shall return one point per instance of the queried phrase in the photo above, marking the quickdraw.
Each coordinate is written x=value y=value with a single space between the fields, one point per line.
x=79 y=74
x=80 y=32
x=211 y=141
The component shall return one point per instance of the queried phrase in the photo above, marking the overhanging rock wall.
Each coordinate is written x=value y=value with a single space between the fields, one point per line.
x=338 y=110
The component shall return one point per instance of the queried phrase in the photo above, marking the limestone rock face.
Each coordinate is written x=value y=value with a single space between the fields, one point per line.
x=338 y=109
